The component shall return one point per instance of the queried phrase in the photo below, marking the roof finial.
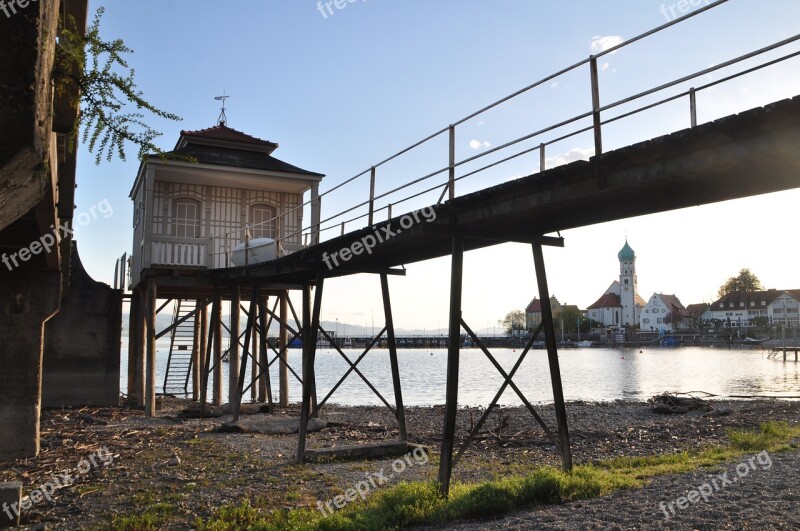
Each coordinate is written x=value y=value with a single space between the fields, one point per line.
x=223 y=119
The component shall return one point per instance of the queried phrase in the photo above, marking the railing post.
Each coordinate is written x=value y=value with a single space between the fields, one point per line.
x=342 y=228
x=371 y=194
x=693 y=106
x=598 y=134
x=542 y=159
x=390 y=211
x=452 y=172
x=597 y=121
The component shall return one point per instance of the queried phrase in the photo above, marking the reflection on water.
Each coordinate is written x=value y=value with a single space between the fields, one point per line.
x=587 y=374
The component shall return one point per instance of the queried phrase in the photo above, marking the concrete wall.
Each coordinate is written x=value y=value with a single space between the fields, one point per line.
x=82 y=344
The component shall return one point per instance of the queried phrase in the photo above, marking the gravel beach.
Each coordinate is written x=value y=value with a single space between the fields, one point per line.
x=188 y=470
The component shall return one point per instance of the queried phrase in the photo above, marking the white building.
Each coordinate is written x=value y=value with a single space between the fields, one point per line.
x=770 y=307
x=663 y=313
x=621 y=304
x=216 y=188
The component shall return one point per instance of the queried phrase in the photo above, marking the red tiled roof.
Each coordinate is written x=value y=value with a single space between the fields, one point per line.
x=696 y=310
x=674 y=304
x=737 y=297
x=534 y=306
x=223 y=132
x=609 y=300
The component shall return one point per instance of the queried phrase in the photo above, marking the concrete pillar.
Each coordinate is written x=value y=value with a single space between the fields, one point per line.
x=10 y=501
x=150 y=373
x=134 y=350
x=27 y=301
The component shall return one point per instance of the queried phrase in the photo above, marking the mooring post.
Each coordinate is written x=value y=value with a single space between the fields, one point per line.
x=552 y=357
x=392 y=344
x=453 y=352
x=311 y=325
x=150 y=391
x=233 y=350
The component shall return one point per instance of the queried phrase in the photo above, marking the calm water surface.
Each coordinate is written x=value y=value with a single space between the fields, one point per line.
x=587 y=374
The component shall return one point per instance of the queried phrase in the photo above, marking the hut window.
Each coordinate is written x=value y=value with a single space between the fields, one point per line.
x=186 y=218
x=262 y=221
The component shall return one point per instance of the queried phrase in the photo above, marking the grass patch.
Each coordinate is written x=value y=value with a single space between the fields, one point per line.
x=418 y=503
x=152 y=519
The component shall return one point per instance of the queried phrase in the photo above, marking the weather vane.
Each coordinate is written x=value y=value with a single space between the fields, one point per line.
x=223 y=119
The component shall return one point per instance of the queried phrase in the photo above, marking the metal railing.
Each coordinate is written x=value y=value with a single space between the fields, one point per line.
x=340 y=220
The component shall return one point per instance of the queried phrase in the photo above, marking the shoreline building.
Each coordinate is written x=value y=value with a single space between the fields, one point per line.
x=621 y=304
x=533 y=313
x=742 y=309
x=664 y=313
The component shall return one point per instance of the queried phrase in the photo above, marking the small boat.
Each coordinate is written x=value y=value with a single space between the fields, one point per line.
x=584 y=344
x=258 y=250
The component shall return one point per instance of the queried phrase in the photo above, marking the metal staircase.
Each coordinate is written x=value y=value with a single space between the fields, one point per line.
x=179 y=363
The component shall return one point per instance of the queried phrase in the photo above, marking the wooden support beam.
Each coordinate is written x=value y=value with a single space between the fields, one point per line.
x=311 y=325
x=135 y=343
x=264 y=379
x=283 y=341
x=203 y=318
x=236 y=402
x=196 y=352
x=453 y=352
x=552 y=358
x=372 y=270
x=254 y=354
x=233 y=351
x=217 y=363
x=392 y=344
x=150 y=387
x=208 y=363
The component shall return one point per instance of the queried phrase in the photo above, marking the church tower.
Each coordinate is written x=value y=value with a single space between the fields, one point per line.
x=628 y=285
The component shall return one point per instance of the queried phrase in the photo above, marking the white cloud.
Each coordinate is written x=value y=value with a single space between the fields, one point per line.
x=477 y=144
x=554 y=85
x=570 y=156
x=603 y=43
x=605 y=66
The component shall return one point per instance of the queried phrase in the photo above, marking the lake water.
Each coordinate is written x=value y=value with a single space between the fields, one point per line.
x=591 y=374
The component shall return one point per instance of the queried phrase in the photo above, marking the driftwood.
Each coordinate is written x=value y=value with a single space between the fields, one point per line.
x=671 y=404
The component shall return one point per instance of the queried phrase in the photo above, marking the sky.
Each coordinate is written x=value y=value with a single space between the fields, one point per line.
x=341 y=89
